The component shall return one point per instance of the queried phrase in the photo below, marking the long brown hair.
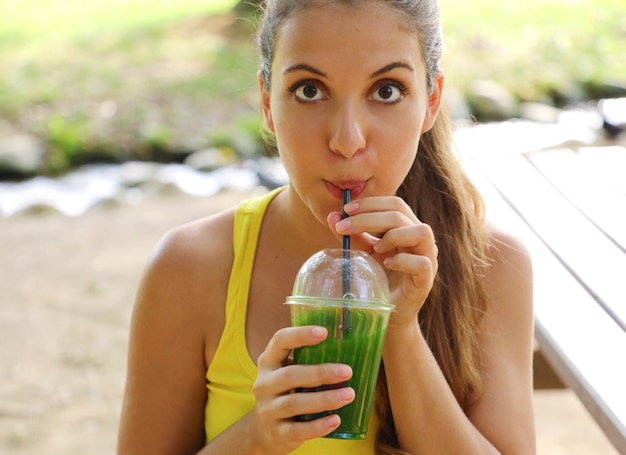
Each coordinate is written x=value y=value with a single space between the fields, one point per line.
x=440 y=194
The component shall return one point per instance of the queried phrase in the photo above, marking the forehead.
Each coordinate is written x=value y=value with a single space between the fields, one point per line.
x=337 y=32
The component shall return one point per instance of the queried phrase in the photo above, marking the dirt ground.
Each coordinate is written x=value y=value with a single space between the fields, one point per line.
x=66 y=292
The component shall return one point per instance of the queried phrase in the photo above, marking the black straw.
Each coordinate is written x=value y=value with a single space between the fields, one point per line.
x=346 y=264
x=346 y=200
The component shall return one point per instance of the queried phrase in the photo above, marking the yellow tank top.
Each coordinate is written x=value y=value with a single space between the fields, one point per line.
x=232 y=372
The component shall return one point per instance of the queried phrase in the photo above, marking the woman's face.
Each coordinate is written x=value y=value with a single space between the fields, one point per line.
x=348 y=102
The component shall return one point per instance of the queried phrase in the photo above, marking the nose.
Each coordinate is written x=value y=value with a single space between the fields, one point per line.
x=347 y=131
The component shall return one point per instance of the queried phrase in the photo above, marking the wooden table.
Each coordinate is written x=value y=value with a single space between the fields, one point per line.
x=569 y=206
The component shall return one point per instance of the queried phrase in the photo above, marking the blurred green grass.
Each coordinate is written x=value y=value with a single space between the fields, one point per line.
x=536 y=47
x=51 y=48
x=122 y=79
x=29 y=22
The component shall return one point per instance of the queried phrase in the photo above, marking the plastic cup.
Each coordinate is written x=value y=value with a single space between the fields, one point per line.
x=356 y=321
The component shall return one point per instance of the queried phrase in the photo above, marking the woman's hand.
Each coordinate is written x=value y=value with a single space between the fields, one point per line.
x=388 y=229
x=276 y=402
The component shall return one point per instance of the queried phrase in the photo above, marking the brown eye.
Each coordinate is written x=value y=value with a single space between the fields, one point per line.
x=385 y=92
x=308 y=92
x=388 y=93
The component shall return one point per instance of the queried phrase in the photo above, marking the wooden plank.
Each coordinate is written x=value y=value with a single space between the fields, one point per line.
x=609 y=161
x=586 y=188
x=582 y=343
x=592 y=257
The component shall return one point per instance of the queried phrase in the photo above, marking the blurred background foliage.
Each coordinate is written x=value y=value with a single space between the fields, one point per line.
x=114 y=80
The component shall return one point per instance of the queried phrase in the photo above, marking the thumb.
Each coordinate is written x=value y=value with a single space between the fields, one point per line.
x=332 y=219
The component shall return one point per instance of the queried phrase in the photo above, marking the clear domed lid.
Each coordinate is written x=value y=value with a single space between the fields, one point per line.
x=342 y=274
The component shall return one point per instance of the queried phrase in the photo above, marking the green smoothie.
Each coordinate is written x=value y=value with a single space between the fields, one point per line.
x=355 y=338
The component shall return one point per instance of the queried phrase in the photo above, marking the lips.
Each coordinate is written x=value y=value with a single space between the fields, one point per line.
x=356 y=188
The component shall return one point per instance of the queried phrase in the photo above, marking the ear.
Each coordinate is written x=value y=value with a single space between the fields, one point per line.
x=434 y=102
x=265 y=102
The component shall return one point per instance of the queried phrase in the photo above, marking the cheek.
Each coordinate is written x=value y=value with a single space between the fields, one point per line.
x=399 y=138
x=295 y=141
x=302 y=136
x=398 y=149
x=400 y=168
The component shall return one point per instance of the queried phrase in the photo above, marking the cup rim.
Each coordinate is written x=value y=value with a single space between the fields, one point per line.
x=339 y=303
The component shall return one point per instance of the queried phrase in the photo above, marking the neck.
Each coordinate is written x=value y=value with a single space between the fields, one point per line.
x=297 y=229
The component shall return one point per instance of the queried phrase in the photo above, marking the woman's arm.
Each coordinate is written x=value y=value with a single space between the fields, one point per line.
x=428 y=418
x=505 y=412
x=175 y=311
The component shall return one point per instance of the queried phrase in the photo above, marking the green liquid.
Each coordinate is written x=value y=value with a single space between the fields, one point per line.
x=359 y=344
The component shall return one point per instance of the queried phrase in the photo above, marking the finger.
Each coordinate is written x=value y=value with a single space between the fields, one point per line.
x=301 y=431
x=307 y=403
x=307 y=376
x=421 y=269
x=418 y=238
x=372 y=222
x=293 y=377
x=380 y=204
x=361 y=241
x=287 y=339
x=398 y=214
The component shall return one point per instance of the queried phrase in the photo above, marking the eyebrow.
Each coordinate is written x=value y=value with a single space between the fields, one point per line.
x=318 y=72
x=305 y=67
x=391 y=66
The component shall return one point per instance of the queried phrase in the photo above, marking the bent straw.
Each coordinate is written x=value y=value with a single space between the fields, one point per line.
x=346 y=265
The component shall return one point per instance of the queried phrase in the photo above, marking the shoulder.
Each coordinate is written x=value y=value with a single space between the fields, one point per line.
x=508 y=281
x=509 y=260
x=194 y=259
x=506 y=331
x=185 y=281
x=201 y=246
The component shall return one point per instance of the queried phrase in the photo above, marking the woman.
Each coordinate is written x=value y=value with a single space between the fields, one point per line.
x=351 y=90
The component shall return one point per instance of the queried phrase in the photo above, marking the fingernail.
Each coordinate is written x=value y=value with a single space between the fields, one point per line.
x=346 y=394
x=332 y=421
x=319 y=332
x=343 y=225
x=351 y=207
x=378 y=245
x=343 y=371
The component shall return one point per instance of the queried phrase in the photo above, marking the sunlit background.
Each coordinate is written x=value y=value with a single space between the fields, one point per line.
x=116 y=115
